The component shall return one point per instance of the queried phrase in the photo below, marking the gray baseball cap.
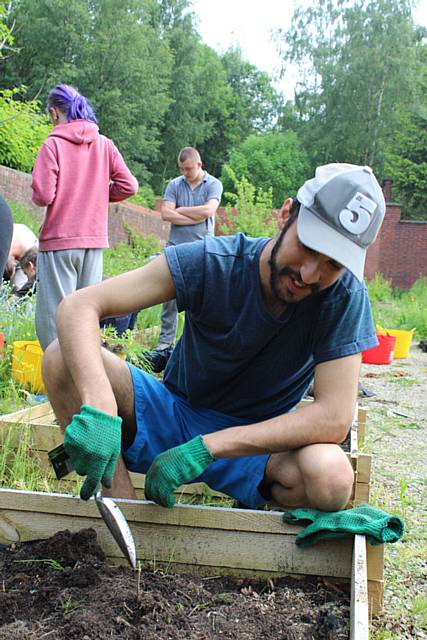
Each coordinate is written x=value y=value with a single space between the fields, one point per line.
x=342 y=209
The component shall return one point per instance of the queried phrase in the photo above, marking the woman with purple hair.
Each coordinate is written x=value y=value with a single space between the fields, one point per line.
x=77 y=173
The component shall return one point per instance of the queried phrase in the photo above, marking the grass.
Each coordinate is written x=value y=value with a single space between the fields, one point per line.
x=50 y=562
x=399 y=308
x=398 y=486
x=21 y=468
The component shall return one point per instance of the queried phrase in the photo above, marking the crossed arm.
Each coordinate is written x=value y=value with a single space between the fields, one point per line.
x=183 y=216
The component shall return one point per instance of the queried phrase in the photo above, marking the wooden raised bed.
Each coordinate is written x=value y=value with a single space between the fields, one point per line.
x=45 y=434
x=208 y=540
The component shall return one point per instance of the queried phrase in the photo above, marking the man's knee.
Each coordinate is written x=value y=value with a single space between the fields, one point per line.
x=329 y=480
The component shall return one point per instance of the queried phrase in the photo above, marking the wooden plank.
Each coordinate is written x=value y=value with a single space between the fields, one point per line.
x=362 y=414
x=376 y=596
x=233 y=539
x=363 y=466
x=359 y=611
x=46 y=437
x=27 y=415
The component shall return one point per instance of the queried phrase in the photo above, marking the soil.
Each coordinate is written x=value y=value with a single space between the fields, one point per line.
x=63 y=589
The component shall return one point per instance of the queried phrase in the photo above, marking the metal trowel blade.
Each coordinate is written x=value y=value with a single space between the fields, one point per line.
x=118 y=527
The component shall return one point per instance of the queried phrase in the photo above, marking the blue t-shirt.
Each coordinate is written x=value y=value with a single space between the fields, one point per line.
x=233 y=355
x=180 y=192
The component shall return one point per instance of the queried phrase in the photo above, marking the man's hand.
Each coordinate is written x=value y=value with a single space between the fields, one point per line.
x=174 y=467
x=93 y=441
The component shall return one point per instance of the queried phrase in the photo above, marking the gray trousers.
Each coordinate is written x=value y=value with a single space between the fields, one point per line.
x=59 y=273
x=169 y=319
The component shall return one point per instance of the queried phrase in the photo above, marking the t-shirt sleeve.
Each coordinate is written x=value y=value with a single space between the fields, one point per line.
x=214 y=190
x=186 y=263
x=345 y=327
x=170 y=192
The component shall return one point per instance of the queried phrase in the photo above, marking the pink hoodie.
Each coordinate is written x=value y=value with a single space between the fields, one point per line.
x=76 y=174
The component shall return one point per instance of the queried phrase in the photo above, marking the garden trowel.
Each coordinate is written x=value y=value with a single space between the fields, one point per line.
x=118 y=526
x=110 y=512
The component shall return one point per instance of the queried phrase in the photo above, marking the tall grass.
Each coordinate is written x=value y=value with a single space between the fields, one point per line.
x=399 y=308
x=22 y=215
x=19 y=469
x=16 y=323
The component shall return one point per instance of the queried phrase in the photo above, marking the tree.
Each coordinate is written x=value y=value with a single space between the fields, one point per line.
x=270 y=160
x=6 y=33
x=22 y=130
x=175 y=29
x=110 y=53
x=255 y=101
x=357 y=66
x=47 y=39
x=126 y=71
x=406 y=152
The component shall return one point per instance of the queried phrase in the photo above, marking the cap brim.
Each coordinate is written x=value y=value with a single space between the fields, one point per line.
x=321 y=237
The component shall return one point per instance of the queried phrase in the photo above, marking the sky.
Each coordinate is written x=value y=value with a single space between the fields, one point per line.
x=249 y=23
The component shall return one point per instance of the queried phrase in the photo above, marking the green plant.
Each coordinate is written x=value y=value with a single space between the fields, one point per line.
x=419 y=611
x=125 y=346
x=22 y=215
x=251 y=210
x=23 y=128
x=274 y=160
x=53 y=564
x=19 y=468
x=399 y=309
x=68 y=605
x=126 y=256
x=145 y=197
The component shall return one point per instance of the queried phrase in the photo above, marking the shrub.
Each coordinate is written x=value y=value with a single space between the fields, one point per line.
x=145 y=197
x=398 y=308
x=126 y=256
x=251 y=210
x=23 y=128
x=273 y=161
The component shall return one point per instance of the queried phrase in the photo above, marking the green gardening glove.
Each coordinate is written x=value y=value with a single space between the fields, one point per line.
x=378 y=526
x=174 y=467
x=93 y=441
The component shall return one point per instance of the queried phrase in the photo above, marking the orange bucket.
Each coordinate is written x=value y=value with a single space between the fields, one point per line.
x=383 y=353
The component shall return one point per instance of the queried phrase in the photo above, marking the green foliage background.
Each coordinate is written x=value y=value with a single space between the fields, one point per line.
x=360 y=95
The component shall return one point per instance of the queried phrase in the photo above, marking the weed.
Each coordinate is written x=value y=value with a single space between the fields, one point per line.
x=53 y=564
x=406 y=382
x=419 y=610
x=383 y=635
x=399 y=309
x=19 y=468
x=68 y=605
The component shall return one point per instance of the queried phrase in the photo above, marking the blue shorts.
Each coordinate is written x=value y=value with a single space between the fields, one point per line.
x=165 y=420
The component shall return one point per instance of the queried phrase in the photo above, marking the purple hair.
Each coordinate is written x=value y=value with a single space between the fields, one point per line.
x=71 y=102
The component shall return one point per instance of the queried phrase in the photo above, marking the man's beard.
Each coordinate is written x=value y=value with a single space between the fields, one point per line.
x=276 y=274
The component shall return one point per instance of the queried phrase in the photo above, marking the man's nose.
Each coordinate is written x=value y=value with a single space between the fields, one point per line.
x=311 y=270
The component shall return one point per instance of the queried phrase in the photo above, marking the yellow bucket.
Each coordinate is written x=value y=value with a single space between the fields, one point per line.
x=27 y=364
x=403 y=341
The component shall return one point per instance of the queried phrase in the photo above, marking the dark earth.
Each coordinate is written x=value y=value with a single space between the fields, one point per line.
x=63 y=589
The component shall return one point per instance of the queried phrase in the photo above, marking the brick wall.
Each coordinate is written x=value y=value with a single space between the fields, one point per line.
x=16 y=186
x=400 y=252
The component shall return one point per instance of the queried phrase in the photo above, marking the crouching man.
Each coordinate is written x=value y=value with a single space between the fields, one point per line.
x=263 y=319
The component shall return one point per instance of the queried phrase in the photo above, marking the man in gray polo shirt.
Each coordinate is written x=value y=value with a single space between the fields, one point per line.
x=189 y=204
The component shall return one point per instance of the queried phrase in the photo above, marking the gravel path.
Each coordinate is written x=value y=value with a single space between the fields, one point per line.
x=396 y=436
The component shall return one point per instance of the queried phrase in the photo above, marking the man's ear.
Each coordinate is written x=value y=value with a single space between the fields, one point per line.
x=284 y=212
